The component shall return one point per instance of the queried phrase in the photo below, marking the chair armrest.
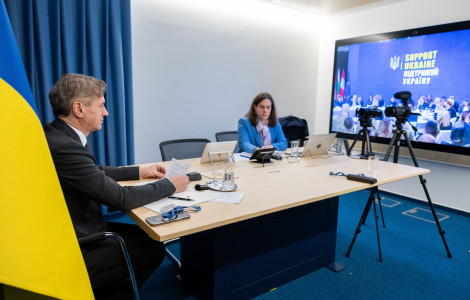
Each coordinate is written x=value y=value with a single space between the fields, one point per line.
x=99 y=236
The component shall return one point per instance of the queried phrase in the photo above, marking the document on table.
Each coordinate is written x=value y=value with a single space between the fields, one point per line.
x=226 y=197
x=177 y=168
x=241 y=156
x=196 y=196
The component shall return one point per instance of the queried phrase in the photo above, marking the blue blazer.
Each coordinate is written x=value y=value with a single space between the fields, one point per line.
x=249 y=139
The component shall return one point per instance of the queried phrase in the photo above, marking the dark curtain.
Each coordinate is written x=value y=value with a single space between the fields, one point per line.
x=91 y=37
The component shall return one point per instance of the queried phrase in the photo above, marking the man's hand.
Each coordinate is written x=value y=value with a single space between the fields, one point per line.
x=152 y=171
x=180 y=182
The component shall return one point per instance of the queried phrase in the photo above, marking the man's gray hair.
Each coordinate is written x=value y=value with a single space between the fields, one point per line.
x=71 y=87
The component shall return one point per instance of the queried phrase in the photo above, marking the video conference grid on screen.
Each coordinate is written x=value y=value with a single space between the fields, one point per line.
x=435 y=68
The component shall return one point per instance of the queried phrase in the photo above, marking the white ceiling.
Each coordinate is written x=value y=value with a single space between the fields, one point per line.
x=326 y=7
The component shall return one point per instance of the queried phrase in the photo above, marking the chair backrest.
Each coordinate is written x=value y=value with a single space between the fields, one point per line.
x=294 y=129
x=225 y=136
x=182 y=148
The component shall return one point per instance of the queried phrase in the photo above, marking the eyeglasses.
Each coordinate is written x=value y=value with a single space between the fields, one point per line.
x=173 y=214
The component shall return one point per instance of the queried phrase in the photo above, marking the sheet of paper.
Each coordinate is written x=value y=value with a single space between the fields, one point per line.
x=241 y=156
x=226 y=197
x=190 y=193
x=177 y=168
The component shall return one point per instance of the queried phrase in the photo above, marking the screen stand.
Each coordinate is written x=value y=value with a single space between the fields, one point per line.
x=339 y=144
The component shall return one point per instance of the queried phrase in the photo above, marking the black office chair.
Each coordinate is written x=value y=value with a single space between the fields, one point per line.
x=224 y=136
x=104 y=235
x=182 y=148
x=294 y=128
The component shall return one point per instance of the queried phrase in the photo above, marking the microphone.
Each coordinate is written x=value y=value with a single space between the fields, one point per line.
x=200 y=187
x=402 y=95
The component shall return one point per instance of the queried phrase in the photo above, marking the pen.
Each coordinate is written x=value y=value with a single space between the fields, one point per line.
x=180 y=198
x=244 y=156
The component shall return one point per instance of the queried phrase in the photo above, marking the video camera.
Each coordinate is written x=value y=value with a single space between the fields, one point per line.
x=400 y=112
x=371 y=112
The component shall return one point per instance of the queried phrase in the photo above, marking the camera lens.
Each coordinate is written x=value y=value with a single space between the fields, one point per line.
x=398 y=112
x=390 y=112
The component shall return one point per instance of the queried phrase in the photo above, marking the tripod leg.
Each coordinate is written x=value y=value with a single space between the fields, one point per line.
x=361 y=221
x=397 y=146
x=368 y=209
x=354 y=142
x=377 y=226
x=380 y=205
x=369 y=146
x=363 y=139
x=423 y=183
x=390 y=146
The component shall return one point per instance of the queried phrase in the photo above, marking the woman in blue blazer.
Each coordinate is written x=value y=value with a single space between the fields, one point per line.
x=260 y=127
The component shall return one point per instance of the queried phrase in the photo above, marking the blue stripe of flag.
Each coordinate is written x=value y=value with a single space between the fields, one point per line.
x=11 y=66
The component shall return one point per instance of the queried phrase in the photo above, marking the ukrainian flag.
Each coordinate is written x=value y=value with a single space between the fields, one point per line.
x=39 y=251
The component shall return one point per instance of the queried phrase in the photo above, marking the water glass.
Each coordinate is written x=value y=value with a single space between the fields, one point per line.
x=229 y=174
x=294 y=148
x=218 y=167
x=372 y=166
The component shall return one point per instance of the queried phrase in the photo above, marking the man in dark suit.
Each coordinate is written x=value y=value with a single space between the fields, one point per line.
x=79 y=107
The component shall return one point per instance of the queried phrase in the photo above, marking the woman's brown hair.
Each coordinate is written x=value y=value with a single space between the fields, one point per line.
x=251 y=114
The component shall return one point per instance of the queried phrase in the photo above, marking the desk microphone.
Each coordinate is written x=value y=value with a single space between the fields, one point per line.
x=200 y=187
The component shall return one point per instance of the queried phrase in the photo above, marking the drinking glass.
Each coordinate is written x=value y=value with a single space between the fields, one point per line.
x=229 y=174
x=372 y=166
x=294 y=148
x=218 y=167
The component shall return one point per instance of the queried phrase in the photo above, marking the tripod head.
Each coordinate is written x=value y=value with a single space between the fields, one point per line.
x=365 y=122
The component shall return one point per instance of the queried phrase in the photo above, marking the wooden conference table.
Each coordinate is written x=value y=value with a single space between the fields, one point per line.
x=284 y=227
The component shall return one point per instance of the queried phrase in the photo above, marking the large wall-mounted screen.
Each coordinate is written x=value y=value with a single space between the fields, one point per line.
x=432 y=63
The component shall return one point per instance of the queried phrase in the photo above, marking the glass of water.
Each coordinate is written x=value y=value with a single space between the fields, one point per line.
x=294 y=148
x=218 y=167
x=372 y=166
x=229 y=174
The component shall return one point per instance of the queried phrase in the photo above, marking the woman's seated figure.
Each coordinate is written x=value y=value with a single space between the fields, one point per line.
x=443 y=118
x=260 y=127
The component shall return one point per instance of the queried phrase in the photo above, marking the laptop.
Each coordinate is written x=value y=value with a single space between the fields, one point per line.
x=318 y=144
x=217 y=147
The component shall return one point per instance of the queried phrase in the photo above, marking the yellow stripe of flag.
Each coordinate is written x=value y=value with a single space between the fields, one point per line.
x=39 y=251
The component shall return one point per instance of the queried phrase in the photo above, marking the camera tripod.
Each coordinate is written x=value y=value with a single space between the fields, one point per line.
x=397 y=133
x=365 y=138
x=364 y=135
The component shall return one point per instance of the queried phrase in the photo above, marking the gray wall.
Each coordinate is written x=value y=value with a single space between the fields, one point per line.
x=197 y=69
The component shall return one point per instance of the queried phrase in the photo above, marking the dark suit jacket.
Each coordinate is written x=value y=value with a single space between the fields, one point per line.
x=86 y=185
